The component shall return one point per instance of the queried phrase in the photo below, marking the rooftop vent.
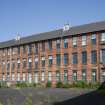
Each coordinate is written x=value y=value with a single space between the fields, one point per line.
x=66 y=27
x=17 y=37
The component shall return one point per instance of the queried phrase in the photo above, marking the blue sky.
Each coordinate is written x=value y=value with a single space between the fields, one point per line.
x=28 y=17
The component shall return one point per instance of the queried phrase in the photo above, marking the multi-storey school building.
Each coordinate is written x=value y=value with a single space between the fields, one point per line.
x=68 y=54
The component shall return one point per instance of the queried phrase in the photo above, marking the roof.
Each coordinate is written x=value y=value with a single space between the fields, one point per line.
x=92 y=27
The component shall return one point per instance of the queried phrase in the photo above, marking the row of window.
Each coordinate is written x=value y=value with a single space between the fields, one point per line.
x=58 y=60
x=57 y=76
x=58 y=44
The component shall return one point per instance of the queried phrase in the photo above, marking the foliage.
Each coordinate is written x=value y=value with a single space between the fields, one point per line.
x=59 y=84
x=48 y=84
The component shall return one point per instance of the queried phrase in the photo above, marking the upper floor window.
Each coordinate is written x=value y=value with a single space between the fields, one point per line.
x=18 y=63
x=24 y=49
x=43 y=61
x=29 y=63
x=50 y=60
x=102 y=55
x=58 y=59
x=65 y=43
x=65 y=59
x=75 y=59
x=84 y=57
x=93 y=39
x=50 y=45
x=43 y=46
x=83 y=40
x=74 y=41
x=18 y=49
x=29 y=49
x=58 y=44
x=8 y=65
x=24 y=63
x=103 y=37
x=36 y=62
x=36 y=48
x=3 y=66
x=13 y=65
x=93 y=57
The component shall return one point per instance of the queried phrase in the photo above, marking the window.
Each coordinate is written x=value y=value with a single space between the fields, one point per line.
x=102 y=56
x=29 y=63
x=24 y=63
x=103 y=75
x=74 y=42
x=75 y=61
x=58 y=44
x=3 y=66
x=13 y=65
x=50 y=60
x=8 y=51
x=74 y=75
x=65 y=75
x=83 y=75
x=84 y=57
x=65 y=43
x=58 y=76
x=49 y=76
x=30 y=49
x=103 y=37
x=18 y=50
x=93 y=57
x=29 y=78
x=24 y=49
x=36 y=63
x=24 y=78
x=36 y=77
x=18 y=64
x=43 y=76
x=8 y=65
x=83 y=40
x=13 y=76
x=58 y=59
x=36 y=48
x=3 y=77
x=93 y=39
x=43 y=61
x=65 y=59
x=93 y=78
x=50 y=45
x=18 y=77
x=43 y=46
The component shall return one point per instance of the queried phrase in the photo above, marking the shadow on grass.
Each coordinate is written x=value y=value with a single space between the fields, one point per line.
x=93 y=98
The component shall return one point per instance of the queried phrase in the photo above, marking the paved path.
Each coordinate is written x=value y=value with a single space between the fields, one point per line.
x=46 y=96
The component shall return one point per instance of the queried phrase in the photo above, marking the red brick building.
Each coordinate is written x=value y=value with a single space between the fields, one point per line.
x=68 y=54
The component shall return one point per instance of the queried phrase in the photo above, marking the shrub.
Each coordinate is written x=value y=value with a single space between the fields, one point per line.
x=3 y=85
x=59 y=84
x=66 y=85
x=48 y=84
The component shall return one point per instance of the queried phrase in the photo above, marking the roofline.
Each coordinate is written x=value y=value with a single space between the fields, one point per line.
x=75 y=30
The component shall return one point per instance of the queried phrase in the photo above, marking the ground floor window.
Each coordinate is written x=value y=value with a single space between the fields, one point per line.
x=24 y=78
x=18 y=76
x=29 y=77
x=36 y=77
x=93 y=75
x=74 y=76
x=8 y=77
x=13 y=77
x=84 y=75
x=103 y=75
x=43 y=76
x=3 y=77
x=49 y=76
x=58 y=76
x=65 y=75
